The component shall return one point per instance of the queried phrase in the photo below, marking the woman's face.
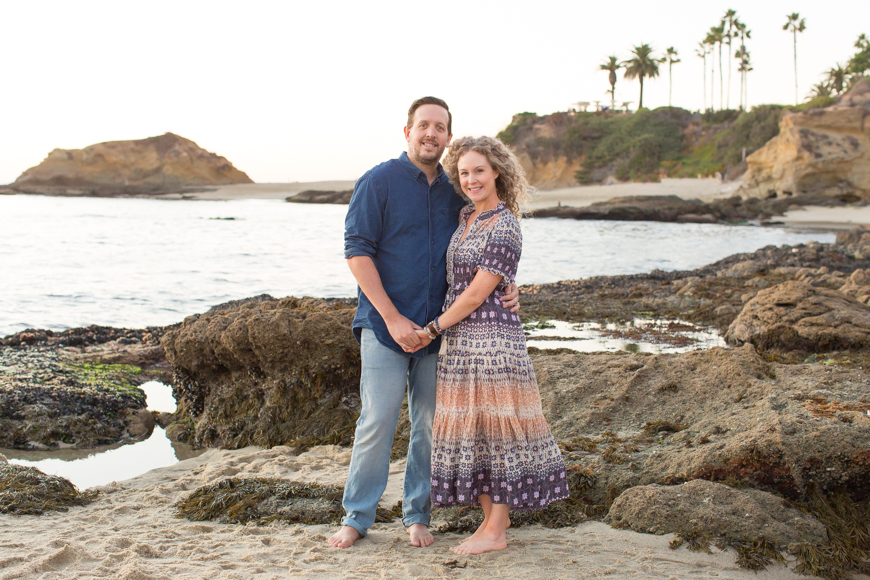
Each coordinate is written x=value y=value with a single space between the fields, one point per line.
x=477 y=179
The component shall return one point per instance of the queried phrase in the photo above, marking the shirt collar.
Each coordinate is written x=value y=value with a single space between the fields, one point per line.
x=415 y=171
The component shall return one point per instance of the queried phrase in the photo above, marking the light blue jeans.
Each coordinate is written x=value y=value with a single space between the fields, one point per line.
x=385 y=374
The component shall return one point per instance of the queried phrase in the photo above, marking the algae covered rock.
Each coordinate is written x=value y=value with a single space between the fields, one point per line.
x=708 y=508
x=28 y=491
x=798 y=316
x=266 y=372
x=262 y=500
x=48 y=398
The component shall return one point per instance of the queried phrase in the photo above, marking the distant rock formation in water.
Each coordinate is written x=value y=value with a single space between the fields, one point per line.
x=315 y=196
x=165 y=164
x=817 y=151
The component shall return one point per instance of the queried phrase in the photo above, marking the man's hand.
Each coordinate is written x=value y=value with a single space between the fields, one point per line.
x=404 y=332
x=424 y=338
x=512 y=298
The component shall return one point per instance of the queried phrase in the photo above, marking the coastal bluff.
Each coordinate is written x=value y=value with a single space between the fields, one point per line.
x=168 y=163
x=818 y=151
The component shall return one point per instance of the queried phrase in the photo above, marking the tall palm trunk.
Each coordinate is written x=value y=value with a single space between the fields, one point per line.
x=721 y=83
x=728 y=92
x=705 y=81
x=712 y=82
x=795 y=69
x=612 y=90
x=670 y=81
x=640 y=103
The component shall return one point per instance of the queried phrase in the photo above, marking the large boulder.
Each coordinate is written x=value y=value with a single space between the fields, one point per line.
x=265 y=372
x=163 y=164
x=795 y=315
x=817 y=151
x=713 y=509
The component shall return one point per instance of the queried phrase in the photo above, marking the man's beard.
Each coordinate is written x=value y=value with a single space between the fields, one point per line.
x=426 y=158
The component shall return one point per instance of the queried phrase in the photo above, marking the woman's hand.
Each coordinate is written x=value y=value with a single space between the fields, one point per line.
x=511 y=299
x=424 y=339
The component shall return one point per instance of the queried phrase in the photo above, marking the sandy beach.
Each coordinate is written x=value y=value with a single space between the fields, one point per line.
x=130 y=533
x=703 y=189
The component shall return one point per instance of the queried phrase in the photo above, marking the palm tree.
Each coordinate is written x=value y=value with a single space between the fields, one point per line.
x=612 y=65
x=745 y=67
x=819 y=90
x=710 y=40
x=717 y=36
x=795 y=24
x=642 y=65
x=744 y=33
x=729 y=19
x=672 y=59
x=837 y=78
x=701 y=52
x=741 y=55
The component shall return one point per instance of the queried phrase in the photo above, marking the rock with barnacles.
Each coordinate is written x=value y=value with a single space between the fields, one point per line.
x=712 y=509
x=265 y=372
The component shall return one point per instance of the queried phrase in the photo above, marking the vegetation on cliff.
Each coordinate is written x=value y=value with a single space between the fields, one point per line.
x=649 y=144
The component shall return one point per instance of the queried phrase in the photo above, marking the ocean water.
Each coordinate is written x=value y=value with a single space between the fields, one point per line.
x=68 y=262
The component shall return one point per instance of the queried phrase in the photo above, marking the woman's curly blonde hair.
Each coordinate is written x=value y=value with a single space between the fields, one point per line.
x=511 y=184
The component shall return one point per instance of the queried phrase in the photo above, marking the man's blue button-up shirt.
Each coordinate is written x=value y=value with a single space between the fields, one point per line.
x=404 y=224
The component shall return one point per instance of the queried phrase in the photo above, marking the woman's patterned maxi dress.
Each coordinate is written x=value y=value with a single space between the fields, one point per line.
x=490 y=436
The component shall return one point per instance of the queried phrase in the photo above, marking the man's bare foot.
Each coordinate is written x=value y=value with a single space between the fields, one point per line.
x=344 y=537
x=420 y=536
x=478 y=544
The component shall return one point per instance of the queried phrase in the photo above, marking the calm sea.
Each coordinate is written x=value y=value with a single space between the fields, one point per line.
x=67 y=262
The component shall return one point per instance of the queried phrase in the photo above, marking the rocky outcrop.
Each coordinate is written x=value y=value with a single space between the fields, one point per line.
x=817 y=151
x=713 y=509
x=796 y=316
x=315 y=196
x=163 y=164
x=78 y=387
x=267 y=372
x=48 y=398
x=671 y=208
x=722 y=415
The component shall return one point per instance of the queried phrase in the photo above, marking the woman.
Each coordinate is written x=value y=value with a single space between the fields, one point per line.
x=491 y=444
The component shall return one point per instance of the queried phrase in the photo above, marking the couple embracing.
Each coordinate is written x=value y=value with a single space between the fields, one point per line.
x=478 y=436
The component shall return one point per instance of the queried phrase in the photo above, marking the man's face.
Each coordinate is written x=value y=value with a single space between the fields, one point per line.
x=428 y=137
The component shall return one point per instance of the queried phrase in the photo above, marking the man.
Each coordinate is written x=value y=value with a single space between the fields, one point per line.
x=399 y=223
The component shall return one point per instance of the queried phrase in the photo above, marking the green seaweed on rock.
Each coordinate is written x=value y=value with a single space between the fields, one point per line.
x=28 y=491
x=261 y=500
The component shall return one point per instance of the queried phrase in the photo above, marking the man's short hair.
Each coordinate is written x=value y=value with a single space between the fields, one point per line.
x=430 y=101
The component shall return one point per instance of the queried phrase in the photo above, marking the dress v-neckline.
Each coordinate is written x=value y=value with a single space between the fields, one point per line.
x=469 y=227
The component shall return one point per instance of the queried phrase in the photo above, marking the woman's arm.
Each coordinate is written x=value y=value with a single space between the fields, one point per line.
x=471 y=298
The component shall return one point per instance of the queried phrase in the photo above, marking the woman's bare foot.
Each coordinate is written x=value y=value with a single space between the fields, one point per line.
x=420 y=536
x=486 y=541
x=479 y=531
x=344 y=537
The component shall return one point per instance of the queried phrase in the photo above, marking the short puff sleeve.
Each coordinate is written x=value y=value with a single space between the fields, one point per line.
x=501 y=254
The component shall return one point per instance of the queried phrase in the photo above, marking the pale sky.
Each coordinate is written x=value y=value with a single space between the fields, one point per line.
x=307 y=91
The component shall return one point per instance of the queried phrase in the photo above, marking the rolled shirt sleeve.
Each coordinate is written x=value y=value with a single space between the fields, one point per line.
x=363 y=226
